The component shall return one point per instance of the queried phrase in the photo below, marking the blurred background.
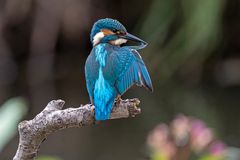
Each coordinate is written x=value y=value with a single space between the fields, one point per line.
x=193 y=58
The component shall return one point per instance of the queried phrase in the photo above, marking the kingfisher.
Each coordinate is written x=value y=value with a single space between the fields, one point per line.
x=112 y=67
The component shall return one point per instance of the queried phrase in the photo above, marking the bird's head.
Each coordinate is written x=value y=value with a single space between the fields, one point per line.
x=112 y=31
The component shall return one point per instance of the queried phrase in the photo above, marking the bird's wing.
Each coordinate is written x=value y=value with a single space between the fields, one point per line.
x=91 y=74
x=127 y=68
x=144 y=75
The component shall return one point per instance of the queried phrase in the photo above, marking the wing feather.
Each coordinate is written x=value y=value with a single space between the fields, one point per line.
x=133 y=72
x=91 y=74
x=124 y=68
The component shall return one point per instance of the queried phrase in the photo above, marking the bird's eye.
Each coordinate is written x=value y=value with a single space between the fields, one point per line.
x=118 y=32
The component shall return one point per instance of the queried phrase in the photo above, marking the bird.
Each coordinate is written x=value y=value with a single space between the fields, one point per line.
x=113 y=67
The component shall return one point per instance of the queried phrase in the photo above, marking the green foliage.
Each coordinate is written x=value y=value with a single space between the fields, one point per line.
x=11 y=112
x=158 y=156
x=211 y=157
x=183 y=35
x=196 y=31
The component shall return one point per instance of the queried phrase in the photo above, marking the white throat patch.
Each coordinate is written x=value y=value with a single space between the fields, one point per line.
x=119 y=41
x=97 y=38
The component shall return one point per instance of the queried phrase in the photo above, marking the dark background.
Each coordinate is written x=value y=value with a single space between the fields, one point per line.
x=193 y=58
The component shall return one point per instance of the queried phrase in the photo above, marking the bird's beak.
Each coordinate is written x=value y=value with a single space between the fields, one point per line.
x=133 y=38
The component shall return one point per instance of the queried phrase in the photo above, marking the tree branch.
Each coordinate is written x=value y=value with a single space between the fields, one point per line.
x=33 y=132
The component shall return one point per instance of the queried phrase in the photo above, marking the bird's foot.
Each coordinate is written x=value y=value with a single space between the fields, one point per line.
x=118 y=100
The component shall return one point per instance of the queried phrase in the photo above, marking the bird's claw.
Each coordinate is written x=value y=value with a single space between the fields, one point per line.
x=118 y=100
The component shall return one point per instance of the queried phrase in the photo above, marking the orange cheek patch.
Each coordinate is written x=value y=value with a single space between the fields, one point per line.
x=107 y=32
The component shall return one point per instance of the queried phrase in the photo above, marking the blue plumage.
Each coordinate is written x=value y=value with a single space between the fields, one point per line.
x=110 y=69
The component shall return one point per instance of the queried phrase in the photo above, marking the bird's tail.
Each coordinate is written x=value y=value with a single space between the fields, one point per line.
x=103 y=110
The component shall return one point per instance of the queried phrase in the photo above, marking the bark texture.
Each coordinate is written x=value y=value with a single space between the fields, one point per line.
x=33 y=132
